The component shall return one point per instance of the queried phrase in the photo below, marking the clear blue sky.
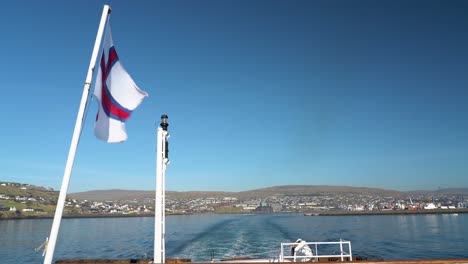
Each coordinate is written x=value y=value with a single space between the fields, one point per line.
x=258 y=93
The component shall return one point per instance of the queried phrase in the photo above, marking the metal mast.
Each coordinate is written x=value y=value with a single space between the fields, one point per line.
x=162 y=160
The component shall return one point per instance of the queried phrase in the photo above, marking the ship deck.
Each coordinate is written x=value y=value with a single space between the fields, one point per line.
x=146 y=261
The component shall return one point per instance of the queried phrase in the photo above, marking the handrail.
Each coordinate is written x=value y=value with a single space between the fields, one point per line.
x=315 y=257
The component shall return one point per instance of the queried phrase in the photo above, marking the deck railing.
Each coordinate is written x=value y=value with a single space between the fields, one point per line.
x=342 y=246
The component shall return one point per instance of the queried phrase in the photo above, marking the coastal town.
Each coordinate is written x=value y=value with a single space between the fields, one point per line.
x=41 y=201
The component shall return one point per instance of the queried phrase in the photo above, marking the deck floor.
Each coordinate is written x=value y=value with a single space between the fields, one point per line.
x=146 y=261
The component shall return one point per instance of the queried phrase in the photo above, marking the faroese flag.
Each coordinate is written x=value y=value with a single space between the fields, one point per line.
x=116 y=93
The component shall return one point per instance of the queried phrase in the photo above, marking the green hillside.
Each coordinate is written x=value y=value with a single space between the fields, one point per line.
x=24 y=196
x=28 y=191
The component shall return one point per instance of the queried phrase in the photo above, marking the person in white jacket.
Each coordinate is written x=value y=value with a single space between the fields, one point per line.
x=302 y=252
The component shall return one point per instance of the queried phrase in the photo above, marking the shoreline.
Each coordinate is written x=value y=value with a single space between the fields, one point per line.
x=388 y=212
x=311 y=213
x=72 y=216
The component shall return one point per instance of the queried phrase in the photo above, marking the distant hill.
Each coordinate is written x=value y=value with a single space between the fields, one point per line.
x=319 y=189
x=286 y=190
x=453 y=191
x=446 y=191
x=120 y=195
x=111 y=195
x=20 y=189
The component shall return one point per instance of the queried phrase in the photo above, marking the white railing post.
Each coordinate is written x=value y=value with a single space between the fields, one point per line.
x=282 y=253
x=316 y=251
x=341 y=249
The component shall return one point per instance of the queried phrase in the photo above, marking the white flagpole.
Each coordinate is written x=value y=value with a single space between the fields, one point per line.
x=162 y=160
x=50 y=248
x=158 y=200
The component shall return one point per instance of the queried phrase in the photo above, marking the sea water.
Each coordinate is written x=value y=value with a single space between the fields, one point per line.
x=199 y=237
